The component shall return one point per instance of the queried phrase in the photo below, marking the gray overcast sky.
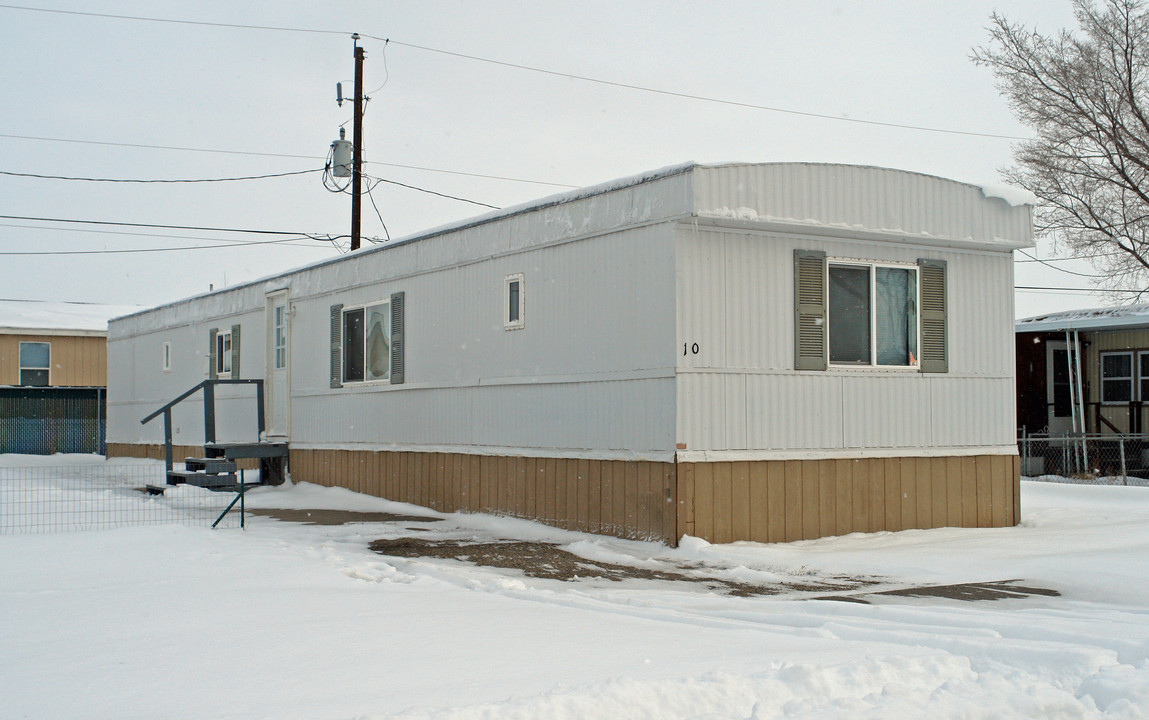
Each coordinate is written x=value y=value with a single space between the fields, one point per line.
x=107 y=80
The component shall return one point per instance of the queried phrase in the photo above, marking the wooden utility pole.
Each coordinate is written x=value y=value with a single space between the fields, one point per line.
x=357 y=146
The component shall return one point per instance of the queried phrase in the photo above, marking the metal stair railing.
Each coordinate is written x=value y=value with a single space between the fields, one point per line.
x=208 y=387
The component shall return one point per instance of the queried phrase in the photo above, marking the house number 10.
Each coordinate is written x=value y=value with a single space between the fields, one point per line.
x=691 y=350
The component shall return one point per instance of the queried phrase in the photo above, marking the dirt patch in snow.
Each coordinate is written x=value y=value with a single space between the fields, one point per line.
x=550 y=562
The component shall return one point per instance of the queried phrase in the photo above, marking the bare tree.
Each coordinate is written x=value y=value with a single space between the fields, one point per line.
x=1084 y=96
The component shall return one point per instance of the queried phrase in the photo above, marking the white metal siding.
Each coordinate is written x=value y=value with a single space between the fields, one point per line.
x=736 y=300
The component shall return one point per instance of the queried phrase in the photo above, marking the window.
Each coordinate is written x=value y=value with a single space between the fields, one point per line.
x=513 y=302
x=280 y=337
x=367 y=343
x=35 y=363
x=873 y=315
x=167 y=356
x=1116 y=377
x=223 y=354
x=1143 y=363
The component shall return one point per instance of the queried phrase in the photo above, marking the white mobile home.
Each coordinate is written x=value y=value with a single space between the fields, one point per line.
x=759 y=351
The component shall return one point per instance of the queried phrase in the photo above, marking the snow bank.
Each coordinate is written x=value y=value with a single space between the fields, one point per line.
x=295 y=621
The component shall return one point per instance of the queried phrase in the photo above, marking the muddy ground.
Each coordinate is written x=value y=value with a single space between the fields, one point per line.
x=549 y=561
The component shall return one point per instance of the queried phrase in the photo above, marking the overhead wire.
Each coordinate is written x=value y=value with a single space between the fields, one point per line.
x=125 y=233
x=147 y=250
x=127 y=180
x=485 y=176
x=544 y=71
x=155 y=225
x=434 y=192
x=1060 y=269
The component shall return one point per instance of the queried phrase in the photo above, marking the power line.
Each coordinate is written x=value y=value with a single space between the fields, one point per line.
x=159 y=147
x=154 y=225
x=175 y=22
x=554 y=73
x=433 y=192
x=123 y=180
x=280 y=155
x=125 y=233
x=1076 y=290
x=691 y=96
x=148 y=250
x=1059 y=269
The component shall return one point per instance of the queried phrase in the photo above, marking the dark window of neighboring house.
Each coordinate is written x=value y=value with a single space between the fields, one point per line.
x=1061 y=383
x=1143 y=361
x=1117 y=377
x=35 y=363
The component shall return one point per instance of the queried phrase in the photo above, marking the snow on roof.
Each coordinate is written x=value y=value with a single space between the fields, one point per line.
x=67 y=316
x=1015 y=196
x=1126 y=316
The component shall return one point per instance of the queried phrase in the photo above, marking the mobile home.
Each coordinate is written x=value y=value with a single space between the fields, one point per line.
x=761 y=352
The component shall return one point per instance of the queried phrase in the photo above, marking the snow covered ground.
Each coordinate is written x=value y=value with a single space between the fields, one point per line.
x=286 y=620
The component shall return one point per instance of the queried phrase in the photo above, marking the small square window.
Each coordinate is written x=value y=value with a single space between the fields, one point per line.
x=513 y=306
x=1116 y=377
x=35 y=363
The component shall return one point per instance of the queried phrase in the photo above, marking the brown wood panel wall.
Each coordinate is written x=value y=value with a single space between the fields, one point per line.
x=77 y=361
x=804 y=499
x=631 y=499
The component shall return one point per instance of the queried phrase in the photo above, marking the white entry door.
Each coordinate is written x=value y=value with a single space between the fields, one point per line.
x=277 y=401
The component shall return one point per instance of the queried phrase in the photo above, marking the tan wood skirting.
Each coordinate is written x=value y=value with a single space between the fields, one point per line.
x=156 y=452
x=785 y=500
x=720 y=502
x=626 y=499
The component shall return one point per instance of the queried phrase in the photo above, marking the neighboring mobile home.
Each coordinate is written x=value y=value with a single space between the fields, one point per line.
x=735 y=352
x=1111 y=347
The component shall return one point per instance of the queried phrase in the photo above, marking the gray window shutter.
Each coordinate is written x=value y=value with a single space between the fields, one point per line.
x=337 y=346
x=935 y=349
x=397 y=363
x=211 y=335
x=235 y=351
x=809 y=310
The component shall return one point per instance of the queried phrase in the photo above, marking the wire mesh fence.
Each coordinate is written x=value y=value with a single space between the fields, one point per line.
x=1093 y=459
x=42 y=498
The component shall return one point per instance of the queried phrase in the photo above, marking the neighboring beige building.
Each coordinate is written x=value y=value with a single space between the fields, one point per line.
x=53 y=375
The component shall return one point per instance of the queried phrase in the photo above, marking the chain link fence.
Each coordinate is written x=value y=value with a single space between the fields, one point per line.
x=94 y=494
x=47 y=420
x=1086 y=458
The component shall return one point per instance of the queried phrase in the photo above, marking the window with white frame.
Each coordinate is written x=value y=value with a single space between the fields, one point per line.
x=35 y=363
x=280 y=337
x=513 y=292
x=366 y=336
x=167 y=357
x=1116 y=377
x=872 y=314
x=223 y=354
